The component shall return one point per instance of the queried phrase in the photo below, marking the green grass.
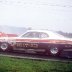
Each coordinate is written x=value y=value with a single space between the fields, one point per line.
x=25 y=65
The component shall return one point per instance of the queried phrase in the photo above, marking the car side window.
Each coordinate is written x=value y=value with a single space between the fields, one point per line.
x=44 y=35
x=28 y=35
x=31 y=35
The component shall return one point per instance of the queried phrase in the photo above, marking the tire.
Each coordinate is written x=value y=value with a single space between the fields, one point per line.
x=5 y=46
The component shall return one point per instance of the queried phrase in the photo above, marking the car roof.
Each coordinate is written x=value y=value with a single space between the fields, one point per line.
x=46 y=31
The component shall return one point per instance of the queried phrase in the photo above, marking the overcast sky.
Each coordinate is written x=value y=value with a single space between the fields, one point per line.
x=38 y=14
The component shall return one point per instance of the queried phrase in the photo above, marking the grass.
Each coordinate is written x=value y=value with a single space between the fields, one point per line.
x=25 y=65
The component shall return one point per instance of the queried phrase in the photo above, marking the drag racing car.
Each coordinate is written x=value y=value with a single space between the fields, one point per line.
x=38 y=41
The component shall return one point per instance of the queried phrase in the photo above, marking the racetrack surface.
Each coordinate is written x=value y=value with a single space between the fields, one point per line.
x=34 y=56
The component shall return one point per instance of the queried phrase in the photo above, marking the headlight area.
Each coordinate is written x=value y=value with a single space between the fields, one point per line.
x=54 y=50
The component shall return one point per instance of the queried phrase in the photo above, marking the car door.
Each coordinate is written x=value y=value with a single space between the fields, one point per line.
x=28 y=41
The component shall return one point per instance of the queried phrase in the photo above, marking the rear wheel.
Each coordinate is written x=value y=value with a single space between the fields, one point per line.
x=53 y=51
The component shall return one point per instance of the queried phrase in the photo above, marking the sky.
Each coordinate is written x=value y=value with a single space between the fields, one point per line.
x=39 y=14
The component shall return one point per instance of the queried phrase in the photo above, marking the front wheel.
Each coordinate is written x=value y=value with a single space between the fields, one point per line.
x=5 y=46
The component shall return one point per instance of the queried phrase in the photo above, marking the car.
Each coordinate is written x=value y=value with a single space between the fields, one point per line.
x=38 y=42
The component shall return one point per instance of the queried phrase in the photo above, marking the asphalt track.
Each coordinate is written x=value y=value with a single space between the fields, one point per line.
x=34 y=57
